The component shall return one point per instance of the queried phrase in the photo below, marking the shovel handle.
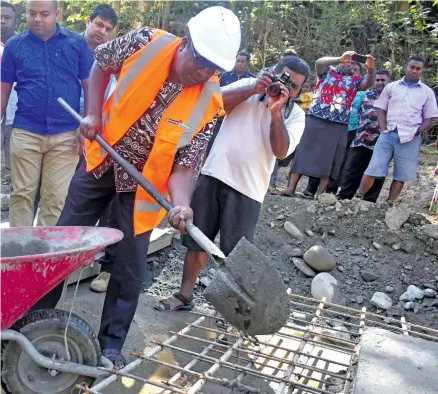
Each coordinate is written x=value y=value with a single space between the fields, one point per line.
x=195 y=233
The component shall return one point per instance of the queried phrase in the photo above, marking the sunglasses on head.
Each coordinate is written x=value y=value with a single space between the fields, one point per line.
x=202 y=61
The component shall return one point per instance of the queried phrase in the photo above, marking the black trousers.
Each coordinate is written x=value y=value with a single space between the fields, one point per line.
x=312 y=186
x=355 y=166
x=86 y=200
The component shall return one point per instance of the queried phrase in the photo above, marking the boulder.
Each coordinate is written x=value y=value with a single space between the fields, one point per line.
x=325 y=285
x=413 y=293
x=431 y=230
x=319 y=258
x=395 y=217
x=368 y=275
x=381 y=300
x=303 y=267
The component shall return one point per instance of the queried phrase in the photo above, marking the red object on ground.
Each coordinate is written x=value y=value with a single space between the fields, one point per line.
x=26 y=279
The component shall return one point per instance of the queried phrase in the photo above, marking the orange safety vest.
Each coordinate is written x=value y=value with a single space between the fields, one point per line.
x=141 y=77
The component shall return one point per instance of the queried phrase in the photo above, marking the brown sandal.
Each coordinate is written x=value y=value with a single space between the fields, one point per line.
x=164 y=305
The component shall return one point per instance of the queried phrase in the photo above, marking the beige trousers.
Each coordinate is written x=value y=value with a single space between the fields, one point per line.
x=51 y=158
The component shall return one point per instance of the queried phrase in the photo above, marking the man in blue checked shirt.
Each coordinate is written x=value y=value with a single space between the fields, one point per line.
x=46 y=61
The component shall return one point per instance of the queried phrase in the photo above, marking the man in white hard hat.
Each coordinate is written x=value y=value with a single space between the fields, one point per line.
x=159 y=119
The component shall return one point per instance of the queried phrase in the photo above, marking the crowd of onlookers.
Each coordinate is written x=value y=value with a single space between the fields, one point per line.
x=341 y=131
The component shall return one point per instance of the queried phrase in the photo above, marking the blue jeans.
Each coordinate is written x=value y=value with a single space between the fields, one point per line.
x=405 y=157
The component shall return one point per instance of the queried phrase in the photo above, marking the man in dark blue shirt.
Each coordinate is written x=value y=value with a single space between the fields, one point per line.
x=46 y=61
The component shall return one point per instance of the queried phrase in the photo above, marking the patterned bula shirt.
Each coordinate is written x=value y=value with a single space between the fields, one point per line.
x=137 y=143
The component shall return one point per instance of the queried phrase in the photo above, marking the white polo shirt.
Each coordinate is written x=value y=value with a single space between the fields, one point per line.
x=13 y=99
x=241 y=155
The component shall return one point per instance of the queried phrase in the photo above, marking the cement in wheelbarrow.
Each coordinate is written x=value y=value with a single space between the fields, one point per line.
x=36 y=259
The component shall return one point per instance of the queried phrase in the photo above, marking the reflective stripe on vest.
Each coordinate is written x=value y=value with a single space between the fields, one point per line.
x=149 y=206
x=187 y=135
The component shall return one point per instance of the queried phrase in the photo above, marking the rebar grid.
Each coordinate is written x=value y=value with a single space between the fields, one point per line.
x=299 y=358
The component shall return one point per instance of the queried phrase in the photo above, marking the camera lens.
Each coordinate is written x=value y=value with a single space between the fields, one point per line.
x=273 y=89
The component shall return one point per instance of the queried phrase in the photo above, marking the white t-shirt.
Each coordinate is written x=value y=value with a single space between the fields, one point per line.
x=13 y=99
x=241 y=155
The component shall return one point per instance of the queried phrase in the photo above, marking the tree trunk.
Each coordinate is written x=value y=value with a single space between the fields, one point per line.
x=165 y=24
x=117 y=6
x=61 y=8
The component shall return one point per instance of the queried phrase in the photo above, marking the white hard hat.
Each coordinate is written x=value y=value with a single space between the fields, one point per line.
x=215 y=34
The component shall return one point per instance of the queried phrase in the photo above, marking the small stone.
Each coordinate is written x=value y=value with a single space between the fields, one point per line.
x=396 y=247
x=5 y=201
x=329 y=208
x=212 y=271
x=275 y=206
x=171 y=255
x=416 y=308
x=325 y=285
x=376 y=245
x=431 y=230
x=340 y=214
x=389 y=289
x=409 y=247
x=280 y=217
x=395 y=217
x=295 y=252
x=368 y=275
x=299 y=316
x=310 y=233
x=408 y=267
x=340 y=268
x=429 y=293
x=311 y=209
x=272 y=224
x=293 y=231
x=286 y=279
x=303 y=267
x=327 y=199
x=205 y=281
x=408 y=306
x=381 y=300
x=359 y=299
x=430 y=286
x=364 y=208
x=319 y=258
x=338 y=206
x=413 y=293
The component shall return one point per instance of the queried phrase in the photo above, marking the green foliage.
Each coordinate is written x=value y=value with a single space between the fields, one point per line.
x=392 y=31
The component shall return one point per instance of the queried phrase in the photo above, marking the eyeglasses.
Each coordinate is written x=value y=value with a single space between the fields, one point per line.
x=202 y=61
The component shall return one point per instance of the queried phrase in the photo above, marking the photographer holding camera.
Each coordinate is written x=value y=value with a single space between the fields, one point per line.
x=261 y=124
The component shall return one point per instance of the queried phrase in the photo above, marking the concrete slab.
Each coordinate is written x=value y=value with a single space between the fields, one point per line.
x=390 y=363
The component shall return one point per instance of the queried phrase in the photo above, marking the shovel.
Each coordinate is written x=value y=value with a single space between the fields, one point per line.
x=247 y=290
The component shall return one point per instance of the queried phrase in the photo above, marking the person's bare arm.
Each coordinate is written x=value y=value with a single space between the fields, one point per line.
x=370 y=79
x=279 y=136
x=424 y=126
x=86 y=93
x=180 y=189
x=324 y=62
x=233 y=97
x=381 y=117
x=6 y=92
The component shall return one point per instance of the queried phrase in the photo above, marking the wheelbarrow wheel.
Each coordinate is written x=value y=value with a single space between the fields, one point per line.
x=45 y=329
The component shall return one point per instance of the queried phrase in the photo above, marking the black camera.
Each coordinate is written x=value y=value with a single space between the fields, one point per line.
x=273 y=89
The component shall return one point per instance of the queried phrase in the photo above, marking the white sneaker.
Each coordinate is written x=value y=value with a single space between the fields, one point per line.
x=100 y=283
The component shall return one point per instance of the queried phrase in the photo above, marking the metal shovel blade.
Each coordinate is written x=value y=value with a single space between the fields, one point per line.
x=249 y=292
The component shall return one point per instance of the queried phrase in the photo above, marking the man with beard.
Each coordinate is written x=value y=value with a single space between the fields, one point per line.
x=362 y=146
x=322 y=147
x=405 y=110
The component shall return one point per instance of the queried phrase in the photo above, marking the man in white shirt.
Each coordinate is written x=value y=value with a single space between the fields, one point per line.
x=257 y=129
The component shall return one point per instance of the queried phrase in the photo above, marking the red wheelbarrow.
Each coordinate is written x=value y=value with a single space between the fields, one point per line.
x=46 y=351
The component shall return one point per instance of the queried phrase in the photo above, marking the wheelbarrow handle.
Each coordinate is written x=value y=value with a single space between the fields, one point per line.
x=195 y=233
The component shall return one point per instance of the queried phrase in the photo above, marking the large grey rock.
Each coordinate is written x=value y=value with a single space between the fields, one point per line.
x=5 y=201
x=381 y=300
x=327 y=199
x=431 y=230
x=395 y=217
x=409 y=305
x=368 y=275
x=249 y=292
x=293 y=231
x=303 y=267
x=325 y=285
x=429 y=293
x=319 y=258
x=412 y=293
